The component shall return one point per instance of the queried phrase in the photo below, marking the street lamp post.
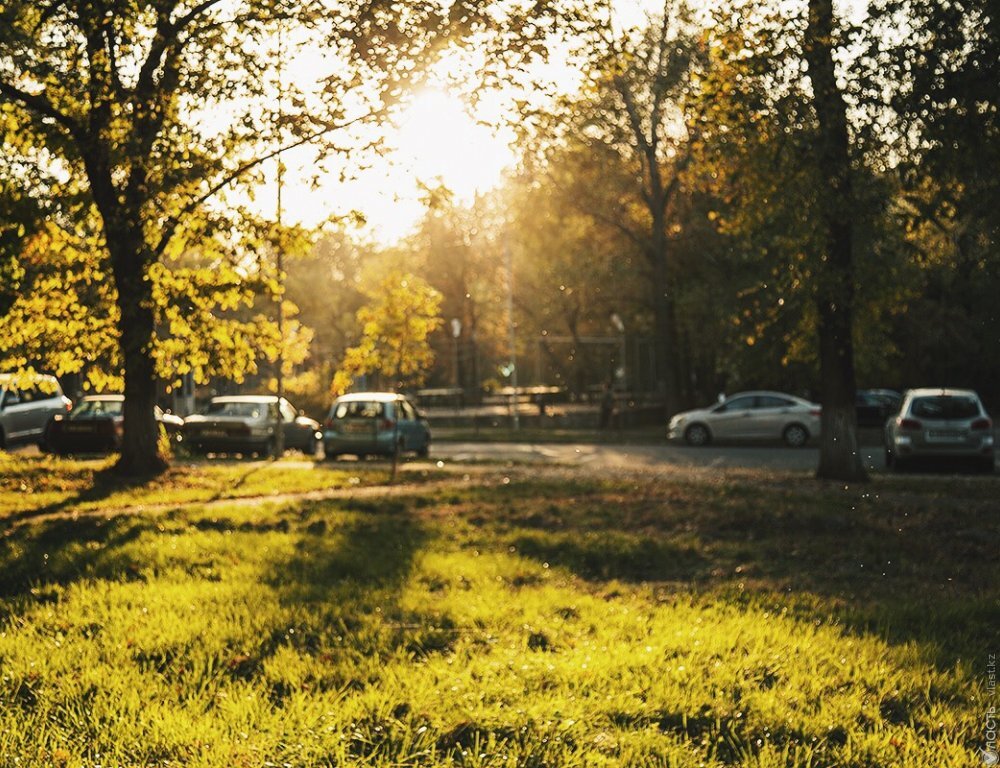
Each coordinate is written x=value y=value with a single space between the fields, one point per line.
x=456 y=331
x=618 y=323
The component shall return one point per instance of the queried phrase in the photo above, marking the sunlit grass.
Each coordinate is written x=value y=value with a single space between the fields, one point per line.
x=508 y=620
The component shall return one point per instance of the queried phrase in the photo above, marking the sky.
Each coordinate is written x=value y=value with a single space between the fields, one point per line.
x=436 y=140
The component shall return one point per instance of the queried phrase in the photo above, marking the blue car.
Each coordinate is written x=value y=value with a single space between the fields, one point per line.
x=375 y=423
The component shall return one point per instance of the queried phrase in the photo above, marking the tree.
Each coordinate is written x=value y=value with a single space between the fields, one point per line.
x=631 y=114
x=402 y=312
x=784 y=170
x=942 y=141
x=116 y=106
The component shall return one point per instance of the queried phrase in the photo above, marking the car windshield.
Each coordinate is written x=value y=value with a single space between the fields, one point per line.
x=944 y=407
x=240 y=409
x=95 y=409
x=359 y=409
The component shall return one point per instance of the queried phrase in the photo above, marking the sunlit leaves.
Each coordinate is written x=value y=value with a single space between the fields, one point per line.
x=402 y=312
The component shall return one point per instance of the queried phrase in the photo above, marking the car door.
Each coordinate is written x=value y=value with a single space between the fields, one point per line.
x=731 y=419
x=770 y=416
x=410 y=426
x=17 y=415
x=296 y=434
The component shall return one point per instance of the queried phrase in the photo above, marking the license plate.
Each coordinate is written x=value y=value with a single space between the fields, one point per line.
x=213 y=433
x=79 y=428
x=945 y=435
x=358 y=428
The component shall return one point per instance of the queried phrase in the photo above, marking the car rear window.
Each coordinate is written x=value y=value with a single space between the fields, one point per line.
x=91 y=409
x=945 y=407
x=243 y=410
x=359 y=409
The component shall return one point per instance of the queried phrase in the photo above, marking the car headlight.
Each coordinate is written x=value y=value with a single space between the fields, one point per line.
x=903 y=440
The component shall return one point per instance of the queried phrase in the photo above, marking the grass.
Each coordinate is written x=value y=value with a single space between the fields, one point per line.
x=507 y=617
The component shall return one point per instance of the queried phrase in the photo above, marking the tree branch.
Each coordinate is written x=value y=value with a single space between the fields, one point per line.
x=40 y=105
x=170 y=228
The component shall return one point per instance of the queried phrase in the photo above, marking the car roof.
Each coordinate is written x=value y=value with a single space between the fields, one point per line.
x=6 y=377
x=941 y=392
x=245 y=399
x=765 y=393
x=108 y=397
x=378 y=397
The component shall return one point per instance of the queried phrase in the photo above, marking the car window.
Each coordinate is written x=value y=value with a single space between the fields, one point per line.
x=288 y=412
x=11 y=397
x=228 y=408
x=31 y=394
x=769 y=401
x=93 y=409
x=736 y=404
x=944 y=407
x=358 y=409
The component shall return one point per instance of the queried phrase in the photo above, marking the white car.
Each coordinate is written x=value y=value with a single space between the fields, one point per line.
x=751 y=416
x=940 y=424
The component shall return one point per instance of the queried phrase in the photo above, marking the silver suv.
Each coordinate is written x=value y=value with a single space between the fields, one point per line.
x=940 y=424
x=26 y=405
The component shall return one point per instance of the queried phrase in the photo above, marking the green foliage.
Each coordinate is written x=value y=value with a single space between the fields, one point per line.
x=402 y=312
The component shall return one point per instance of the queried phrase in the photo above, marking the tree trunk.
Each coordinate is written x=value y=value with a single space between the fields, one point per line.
x=140 y=454
x=839 y=457
x=665 y=338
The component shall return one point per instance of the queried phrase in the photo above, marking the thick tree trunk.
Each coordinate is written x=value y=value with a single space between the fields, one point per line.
x=140 y=454
x=839 y=457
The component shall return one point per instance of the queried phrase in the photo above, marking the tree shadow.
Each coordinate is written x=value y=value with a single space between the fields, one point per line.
x=902 y=566
x=64 y=550
x=105 y=483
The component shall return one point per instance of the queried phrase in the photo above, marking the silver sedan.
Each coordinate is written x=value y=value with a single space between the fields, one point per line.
x=750 y=416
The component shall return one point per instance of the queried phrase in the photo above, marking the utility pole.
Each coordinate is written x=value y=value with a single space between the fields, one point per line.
x=515 y=419
x=279 y=437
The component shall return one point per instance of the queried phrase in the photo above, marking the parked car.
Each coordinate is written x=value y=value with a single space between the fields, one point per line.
x=95 y=426
x=249 y=424
x=940 y=424
x=374 y=423
x=875 y=406
x=26 y=407
x=749 y=416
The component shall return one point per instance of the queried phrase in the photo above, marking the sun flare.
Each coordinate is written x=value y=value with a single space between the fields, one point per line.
x=439 y=141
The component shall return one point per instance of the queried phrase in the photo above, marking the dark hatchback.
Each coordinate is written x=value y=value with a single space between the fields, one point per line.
x=95 y=425
x=249 y=424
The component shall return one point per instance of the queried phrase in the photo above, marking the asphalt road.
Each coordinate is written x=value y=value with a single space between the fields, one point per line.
x=646 y=456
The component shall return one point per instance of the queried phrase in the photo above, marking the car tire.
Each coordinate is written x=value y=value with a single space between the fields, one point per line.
x=697 y=435
x=425 y=451
x=3 y=439
x=311 y=447
x=795 y=436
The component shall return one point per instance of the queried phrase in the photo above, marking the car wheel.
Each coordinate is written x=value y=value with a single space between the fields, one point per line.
x=425 y=451
x=697 y=435
x=795 y=436
x=311 y=447
x=3 y=439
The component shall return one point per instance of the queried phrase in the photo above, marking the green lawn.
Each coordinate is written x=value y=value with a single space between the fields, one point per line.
x=517 y=617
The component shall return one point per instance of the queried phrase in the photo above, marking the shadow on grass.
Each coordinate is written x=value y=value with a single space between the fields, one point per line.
x=902 y=564
x=63 y=550
x=105 y=484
